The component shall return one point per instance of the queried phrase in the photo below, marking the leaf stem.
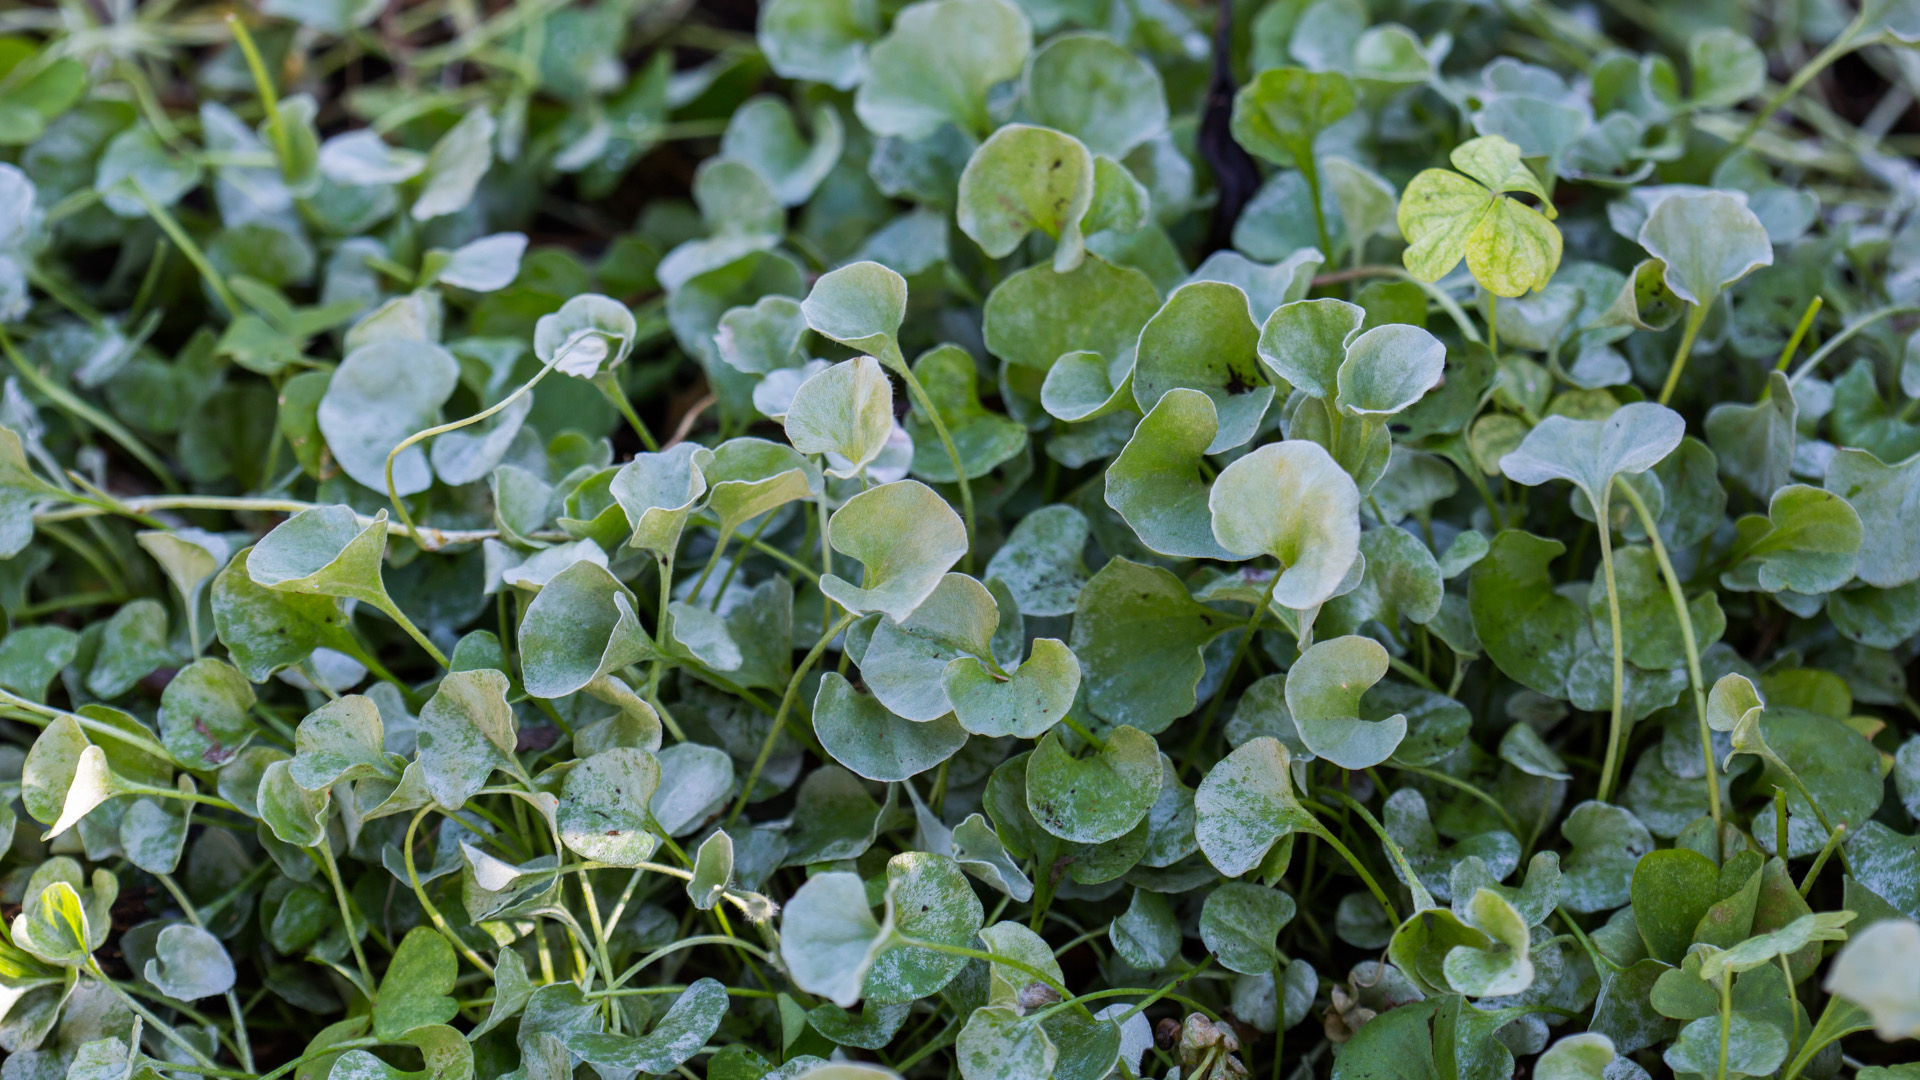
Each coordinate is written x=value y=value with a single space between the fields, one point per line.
x=1847 y=332
x=1692 y=644
x=1616 y=722
x=1696 y=315
x=433 y=913
x=346 y=912
x=393 y=496
x=1233 y=667
x=1421 y=898
x=93 y=417
x=780 y=717
x=1799 y=335
x=925 y=404
x=1838 y=47
x=610 y=386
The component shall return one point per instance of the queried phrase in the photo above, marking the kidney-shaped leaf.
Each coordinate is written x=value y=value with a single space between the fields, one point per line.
x=1292 y=501
x=1323 y=694
x=1245 y=805
x=1708 y=240
x=1592 y=453
x=604 y=806
x=381 y=393
x=582 y=626
x=189 y=964
x=1099 y=797
x=936 y=65
x=1026 y=179
x=906 y=536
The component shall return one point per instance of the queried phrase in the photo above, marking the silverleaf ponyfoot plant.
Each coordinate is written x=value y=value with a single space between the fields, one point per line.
x=1006 y=539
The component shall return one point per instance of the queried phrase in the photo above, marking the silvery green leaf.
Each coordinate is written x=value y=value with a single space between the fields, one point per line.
x=1025 y=179
x=1026 y=704
x=1247 y=804
x=1278 y=114
x=1291 y=501
x=937 y=63
x=829 y=937
x=1707 y=240
x=1268 y=287
x=383 y=392
x=189 y=964
x=1887 y=498
x=905 y=661
x=323 y=552
x=1239 y=923
x=980 y=852
x=1038 y=315
x=927 y=899
x=819 y=40
x=188 y=557
x=658 y=492
x=466 y=732
x=712 y=870
x=1755 y=443
x=1408 y=822
x=1203 y=339
x=21 y=492
x=455 y=165
x=1808 y=542
x=533 y=573
x=133 y=645
x=749 y=477
x=1096 y=91
x=845 y=412
x=1592 y=453
x=487 y=264
x=997 y=1043
x=861 y=305
x=30 y=656
x=1138 y=635
x=691 y=1021
x=1523 y=748
x=1367 y=201
x=136 y=164
x=579 y=628
x=1155 y=482
x=906 y=537
x=1586 y=1056
x=341 y=740
x=1727 y=66
x=1754 y=1048
x=1147 y=935
x=296 y=815
x=1323 y=694
x=363 y=159
x=1876 y=971
x=864 y=736
x=983 y=440
x=1506 y=967
x=1096 y=798
x=603 y=813
x=762 y=133
x=589 y=335
x=1305 y=343
x=203 y=714
x=763 y=338
x=695 y=780
x=1387 y=369
x=1041 y=562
